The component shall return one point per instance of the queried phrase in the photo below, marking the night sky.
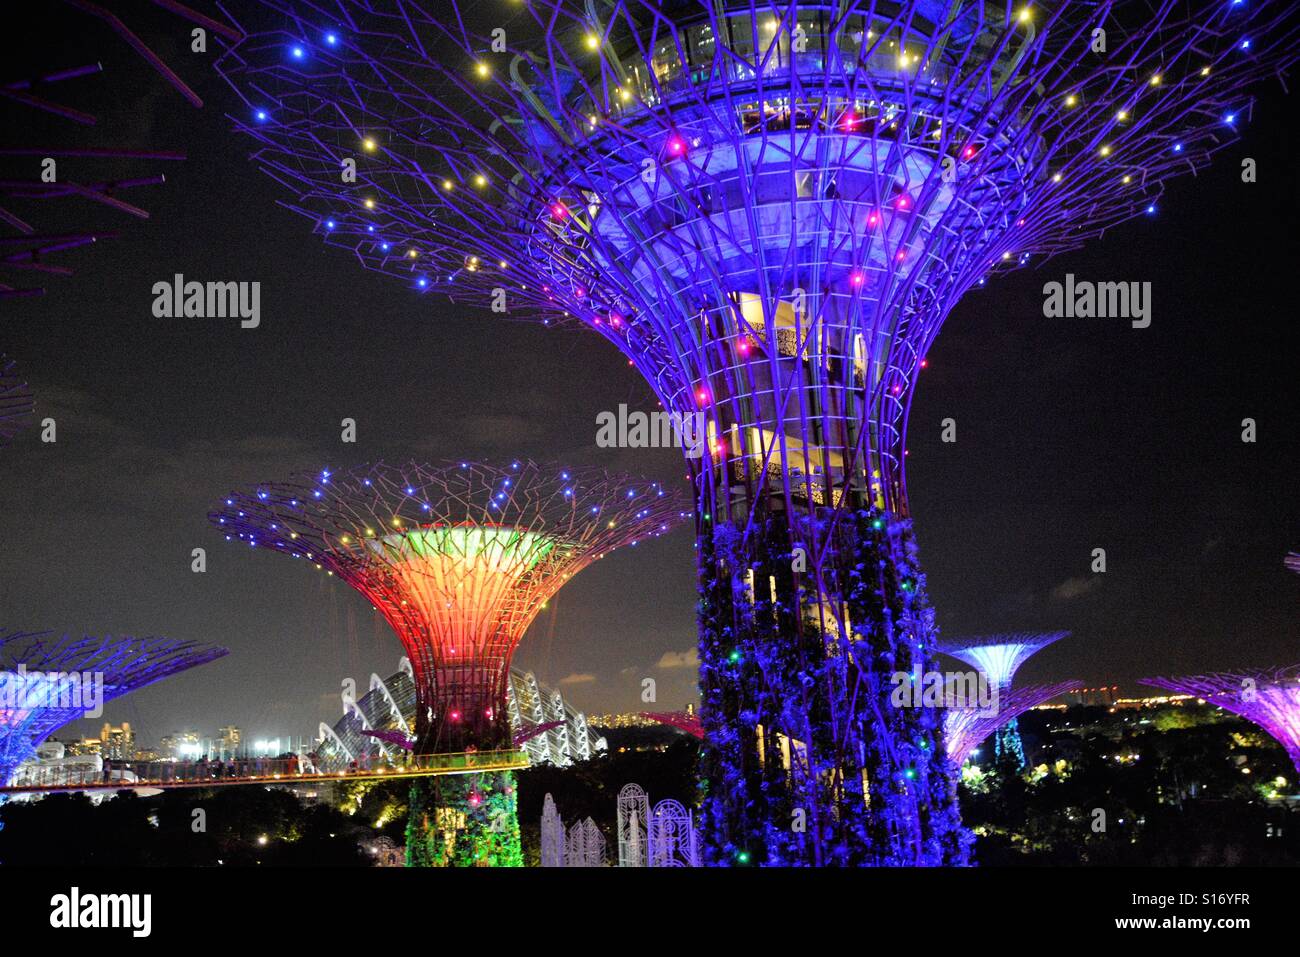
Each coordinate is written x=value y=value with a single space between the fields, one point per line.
x=1073 y=434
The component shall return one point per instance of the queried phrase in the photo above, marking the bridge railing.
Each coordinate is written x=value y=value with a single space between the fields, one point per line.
x=128 y=774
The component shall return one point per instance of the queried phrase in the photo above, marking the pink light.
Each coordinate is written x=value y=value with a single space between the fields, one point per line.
x=559 y=210
x=856 y=279
x=455 y=716
x=900 y=255
x=902 y=201
x=850 y=120
x=743 y=347
x=925 y=363
x=968 y=152
x=873 y=219
x=702 y=396
x=677 y=146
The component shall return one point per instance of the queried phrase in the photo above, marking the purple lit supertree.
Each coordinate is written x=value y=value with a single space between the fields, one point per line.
x=47 y=681
x=459 y=558
x=1270 y=699
x=770 y=208
x=16 y=403
x=965 y=728
x=1000 y=657
x=36 y=170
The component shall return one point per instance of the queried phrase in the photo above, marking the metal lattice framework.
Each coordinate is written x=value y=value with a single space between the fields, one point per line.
x=552 y=850
x=672 y=836
x=459 y=558
x=585 y=846
x=46 y=94
x=1269 y=698
x=379 y=726
x=633 y=816
x=16 y=402
x=1000 y=656
x=47 y=681
x=770 y=208
x=965 y=728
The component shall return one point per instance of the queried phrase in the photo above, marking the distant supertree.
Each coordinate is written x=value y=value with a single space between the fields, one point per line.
x=16 y=403
x=48 y=681
x=1293 y=562
x=1270 y=699
x=770 y=207
x=1000 y=657
x=28 y=144
x=459 y=558
x=965 y=728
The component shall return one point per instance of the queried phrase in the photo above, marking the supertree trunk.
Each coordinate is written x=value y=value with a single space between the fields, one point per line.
x=824 y=769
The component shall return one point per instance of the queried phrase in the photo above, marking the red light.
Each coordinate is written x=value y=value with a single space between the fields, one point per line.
x=455 y=716
x=925 y=363
x=702 y=396
x=559 y=210
x=856 y=279
x=873 y=219
x=968 y=152
x=677 y=146
x=902 y=202
x=743 y=347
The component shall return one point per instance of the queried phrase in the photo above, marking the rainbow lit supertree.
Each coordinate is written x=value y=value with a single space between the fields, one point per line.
x=1270 y=699
x=459 y=559
x=16 y=403
x=47 y=681
x=770 y=208
x=37 y=169
x=965 y=728
x=1000 y=657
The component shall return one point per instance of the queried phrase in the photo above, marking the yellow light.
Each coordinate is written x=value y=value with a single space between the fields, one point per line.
x=370 y=204
x=483 y=70
x=448 y=185
x=623 y=94
x=1205 y=71
x=503 y=264
x=1155 y=80
x=1024 y=15
x=1105 y=151
x=1071 y=100
x=1056 y=177
x=1122 y=115
x=344 y=539
x=1128 y=179
x=480 y=180
x=411 y=253
x=397 y=522
x=593 y=41
x=369 y=145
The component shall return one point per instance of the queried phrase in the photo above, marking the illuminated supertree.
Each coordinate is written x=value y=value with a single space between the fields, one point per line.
x=61 y=143
x=770 y=208
x=1000 y=657
x=1293 y=562
x=1270 y=699
x=16 y=403
x=965 y=728
x=48 y=681
x=459 y=559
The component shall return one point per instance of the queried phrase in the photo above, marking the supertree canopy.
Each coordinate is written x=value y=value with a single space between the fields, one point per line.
x=770 y=208
x=459 y=558
x=16 y=403
x=48 y=681
x=1000 y=657
x=1270 y=699
x=965 y=728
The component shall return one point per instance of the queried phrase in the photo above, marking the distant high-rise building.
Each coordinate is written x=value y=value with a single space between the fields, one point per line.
x=180 y=746
x=227 y=743
x=118 y=744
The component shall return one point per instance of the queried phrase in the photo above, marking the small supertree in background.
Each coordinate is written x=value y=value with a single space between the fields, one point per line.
x=965 y=728
x=1268 y=698
x=1293 y=562
x=52 y=148
x=458 y=558
x=47 y=681
x=16 y=402
x=770 y=208
x=999 y=657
